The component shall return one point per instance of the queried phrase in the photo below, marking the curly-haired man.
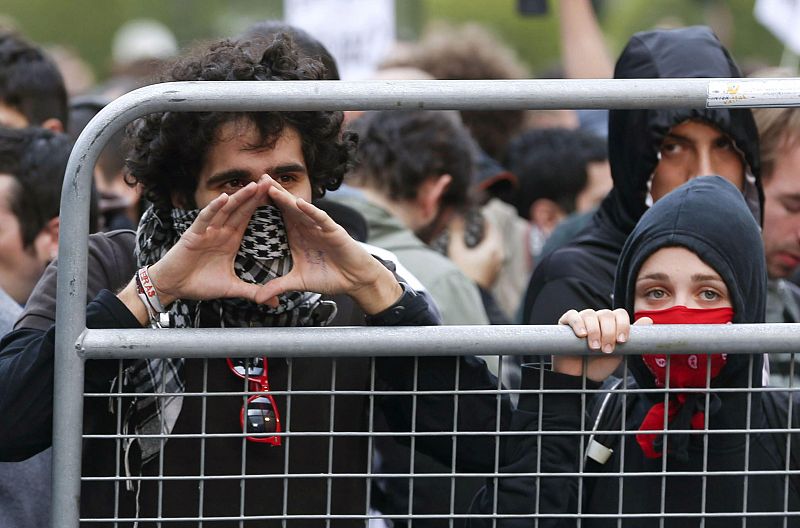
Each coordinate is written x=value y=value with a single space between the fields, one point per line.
x=230 y=240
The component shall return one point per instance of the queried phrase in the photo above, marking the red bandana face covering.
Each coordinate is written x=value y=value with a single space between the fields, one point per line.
x=684 y=371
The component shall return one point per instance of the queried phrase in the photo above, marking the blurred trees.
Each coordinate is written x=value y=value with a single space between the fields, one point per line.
x=88 y=26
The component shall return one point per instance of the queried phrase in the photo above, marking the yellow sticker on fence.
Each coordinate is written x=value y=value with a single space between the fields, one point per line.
x=754 y=92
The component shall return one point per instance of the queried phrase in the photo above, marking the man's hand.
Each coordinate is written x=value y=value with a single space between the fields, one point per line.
x=200 y=265
x=481 y=263
x=603 y=330
x=325 y=258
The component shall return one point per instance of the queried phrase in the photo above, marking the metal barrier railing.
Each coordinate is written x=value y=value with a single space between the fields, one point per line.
x=74 y=342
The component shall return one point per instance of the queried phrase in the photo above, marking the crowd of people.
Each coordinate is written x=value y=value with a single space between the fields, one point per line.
x=594 y=220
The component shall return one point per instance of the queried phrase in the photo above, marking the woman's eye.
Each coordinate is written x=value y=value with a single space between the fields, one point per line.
x=656 y=294
x=709 y=295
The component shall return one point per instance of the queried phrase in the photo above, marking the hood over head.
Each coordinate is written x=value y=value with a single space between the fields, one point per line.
x=709 y=217
x=635 y=136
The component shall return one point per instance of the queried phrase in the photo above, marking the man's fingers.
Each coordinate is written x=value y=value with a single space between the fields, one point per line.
x=234 y=201
x=316 y=215
x=243 y=207
x=644 y=321
x=208 y=213
x=268 y=293
x=456 y=228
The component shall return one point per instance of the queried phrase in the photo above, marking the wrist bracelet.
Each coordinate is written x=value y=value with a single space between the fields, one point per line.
x=143 y=279
x=156 y=319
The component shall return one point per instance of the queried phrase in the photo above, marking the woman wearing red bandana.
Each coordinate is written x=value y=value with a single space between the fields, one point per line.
x=680 y=458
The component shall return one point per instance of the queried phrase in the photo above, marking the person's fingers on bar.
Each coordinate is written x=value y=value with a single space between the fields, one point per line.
x=608 y=330
x=623 y=325
x=573 y=319
x=592 y=325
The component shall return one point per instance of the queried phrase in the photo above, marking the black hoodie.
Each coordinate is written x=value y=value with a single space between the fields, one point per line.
x=700 y=216
x=581 y=275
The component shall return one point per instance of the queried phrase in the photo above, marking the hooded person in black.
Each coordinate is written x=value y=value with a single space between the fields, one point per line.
x=700 y=217
x=581 y=274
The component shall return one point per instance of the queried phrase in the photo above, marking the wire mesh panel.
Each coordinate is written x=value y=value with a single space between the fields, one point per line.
x=402 y=426
x=435 y=441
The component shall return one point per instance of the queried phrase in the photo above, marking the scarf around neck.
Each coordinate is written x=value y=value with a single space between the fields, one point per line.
x=684 y=410
x=263 y=255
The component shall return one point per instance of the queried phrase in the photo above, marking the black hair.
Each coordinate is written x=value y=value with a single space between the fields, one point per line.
x=398 y=150
x=168 y=150
x=111 y=161
x=30 y=81
x=551 y=163
x=37 y=159
x=261 y=34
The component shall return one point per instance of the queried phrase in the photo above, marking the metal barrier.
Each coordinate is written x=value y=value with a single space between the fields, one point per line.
x=75 y=343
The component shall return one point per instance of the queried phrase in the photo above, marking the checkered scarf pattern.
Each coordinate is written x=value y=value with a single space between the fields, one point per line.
x=263 y=255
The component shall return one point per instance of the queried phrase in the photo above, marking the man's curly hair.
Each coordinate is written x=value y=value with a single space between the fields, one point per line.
x=167 y=150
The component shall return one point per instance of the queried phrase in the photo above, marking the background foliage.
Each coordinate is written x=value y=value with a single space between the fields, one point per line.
x=88 y=26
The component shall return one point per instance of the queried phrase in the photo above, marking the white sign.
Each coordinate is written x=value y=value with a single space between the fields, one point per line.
x=782 y=18
x=358 y=33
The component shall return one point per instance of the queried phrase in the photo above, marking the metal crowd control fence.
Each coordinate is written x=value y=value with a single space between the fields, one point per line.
x=75 y=343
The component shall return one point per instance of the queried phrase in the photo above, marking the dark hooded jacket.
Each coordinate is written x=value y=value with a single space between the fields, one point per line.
x=700 y=216
x=581 y=275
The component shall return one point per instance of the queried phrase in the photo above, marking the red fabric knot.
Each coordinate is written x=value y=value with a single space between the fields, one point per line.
x=684 y=371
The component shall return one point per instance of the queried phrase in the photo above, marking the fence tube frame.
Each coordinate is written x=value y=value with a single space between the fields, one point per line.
x=309 y=95
x=436 y=340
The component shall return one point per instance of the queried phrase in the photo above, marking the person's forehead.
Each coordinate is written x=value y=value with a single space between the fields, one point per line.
x=239 y=141
x=786 y=170
x=674 y=260
x=10 y=117
x=693 y=128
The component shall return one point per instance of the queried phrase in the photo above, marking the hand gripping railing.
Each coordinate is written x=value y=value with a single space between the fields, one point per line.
x=74 y=342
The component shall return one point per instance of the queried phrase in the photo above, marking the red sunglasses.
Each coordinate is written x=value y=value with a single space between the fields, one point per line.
x=259 y=414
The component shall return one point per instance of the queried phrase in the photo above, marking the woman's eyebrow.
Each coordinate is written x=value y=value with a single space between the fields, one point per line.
x=699 y=277
x=653 y=276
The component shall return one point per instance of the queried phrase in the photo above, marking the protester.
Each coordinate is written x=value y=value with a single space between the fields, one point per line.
x=472 y=52
x=414 y=171
x=217 y=247
x=779 y=131
x=651 y=152
x=679 y=266
x=32 y=165
x=32 y=91
x=560 y=172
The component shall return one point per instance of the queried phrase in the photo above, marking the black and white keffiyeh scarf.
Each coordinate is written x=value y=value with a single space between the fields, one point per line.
x=263 y=255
